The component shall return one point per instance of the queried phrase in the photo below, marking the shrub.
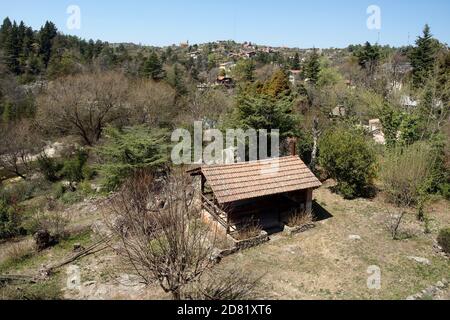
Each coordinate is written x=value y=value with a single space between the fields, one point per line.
x=444 y=240
x=10 y=221
x=136 y=148
x=349 y=159
x=445 y=190
x=49 y=167
x=73 y=169
x=54 y=223
x=406 y=174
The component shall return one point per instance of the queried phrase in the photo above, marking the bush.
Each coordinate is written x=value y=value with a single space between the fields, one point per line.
x=52 y=223
x=444 y=240
x=136 y=148
x=349 y=159
x=445 y=190
x=73 y=169
x=406 y=174
x=10 y=221
x=49 y=167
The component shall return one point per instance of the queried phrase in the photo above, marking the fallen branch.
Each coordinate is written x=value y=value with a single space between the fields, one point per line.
x=94 y=248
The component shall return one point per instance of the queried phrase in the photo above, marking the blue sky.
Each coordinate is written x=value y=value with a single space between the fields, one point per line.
x=293 y=23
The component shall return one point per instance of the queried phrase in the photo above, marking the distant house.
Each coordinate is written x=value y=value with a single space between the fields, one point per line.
x=263 y=191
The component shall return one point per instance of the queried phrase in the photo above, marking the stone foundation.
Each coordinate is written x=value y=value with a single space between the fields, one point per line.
x=289 y=231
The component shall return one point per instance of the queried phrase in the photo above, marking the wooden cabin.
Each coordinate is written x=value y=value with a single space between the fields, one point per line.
x=263 y=192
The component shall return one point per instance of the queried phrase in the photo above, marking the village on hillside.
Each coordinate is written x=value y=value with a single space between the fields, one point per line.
x=222 y=171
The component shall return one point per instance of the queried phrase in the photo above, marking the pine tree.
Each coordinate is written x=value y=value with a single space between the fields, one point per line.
x=153 y=68
x=5 y=30
x=178 y=84
x=369 y=57
x=295 y=64
x=423 y=57
x=12 y=49
x=312 y=67
x=46 y=36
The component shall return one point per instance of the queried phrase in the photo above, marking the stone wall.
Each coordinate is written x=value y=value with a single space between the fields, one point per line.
x=289 y=231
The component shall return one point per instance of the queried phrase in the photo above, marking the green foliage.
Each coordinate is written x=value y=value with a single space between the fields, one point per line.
x=444 y=239
x=347 y=156
x=399 y=128
x=244 y=70
x=329 y=76
x=153 y=67
x=73 y=169
x=129 y=150
x=259 y=111
x=407 y=173
x=10 y=221
x=423 y=57
x=278 y=86
x=445 y=190
x=312 y=67
x=49 y=167
x=369 y=57
x=295 y=62
x=390 y=119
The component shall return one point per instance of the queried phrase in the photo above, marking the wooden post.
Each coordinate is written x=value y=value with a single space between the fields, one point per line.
x=309 y=195
x=203 y=187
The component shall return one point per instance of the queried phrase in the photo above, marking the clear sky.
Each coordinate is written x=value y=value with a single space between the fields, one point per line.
x=293 y=23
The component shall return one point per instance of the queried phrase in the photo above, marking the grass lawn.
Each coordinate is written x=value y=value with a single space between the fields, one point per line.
x=324 y=263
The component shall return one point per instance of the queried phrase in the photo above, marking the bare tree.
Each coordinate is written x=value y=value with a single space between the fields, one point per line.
x=83 y=104
x=152 y=102
x=405 y=173
x=159 y=233
x=18 y=145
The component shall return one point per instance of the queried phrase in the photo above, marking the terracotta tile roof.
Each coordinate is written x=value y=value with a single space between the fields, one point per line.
x=255 y=179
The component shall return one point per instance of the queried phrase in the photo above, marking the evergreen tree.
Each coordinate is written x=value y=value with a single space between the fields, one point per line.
x=12 y=49
x=177 y=81
x=46 y=36
x=312 y=67
x=422 y=57
x=5 y=30
x=153 y=67
x=278 y=85
x=369 y=57
x=295 y=64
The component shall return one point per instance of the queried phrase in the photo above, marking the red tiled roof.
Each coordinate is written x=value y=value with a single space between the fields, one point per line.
x=248 y=180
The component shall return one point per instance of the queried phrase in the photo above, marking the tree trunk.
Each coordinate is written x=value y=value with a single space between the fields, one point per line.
x=316 y=134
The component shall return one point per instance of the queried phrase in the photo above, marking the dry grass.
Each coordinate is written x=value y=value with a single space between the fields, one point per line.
x=17 y=251
x=248 y=231
x=324 y=263
x=300 y=218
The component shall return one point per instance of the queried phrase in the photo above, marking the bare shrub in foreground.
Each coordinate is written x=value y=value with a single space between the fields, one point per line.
x=232 y=285
x=405 y=174
x=160 y=236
